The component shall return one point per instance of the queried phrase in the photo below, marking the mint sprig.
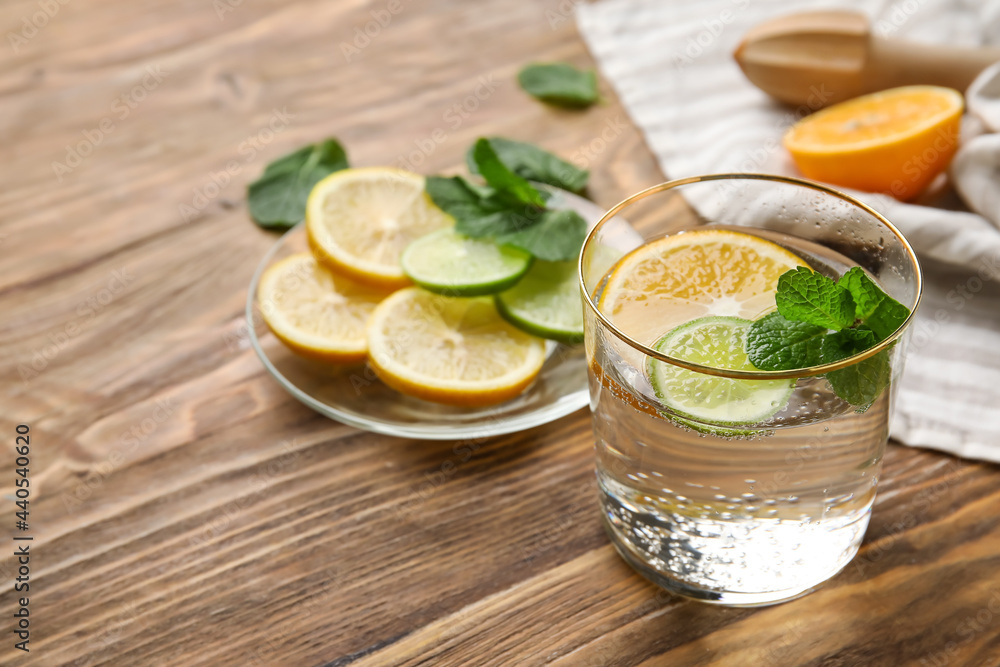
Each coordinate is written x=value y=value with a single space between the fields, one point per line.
x=277 y=200
x=560 y=84
x=865 y=293
x=820 y=321
x=556 y=236
x=806 y=296
x=861 y=383
x=503 y=179
x=478 y=211
x=509 y=209
x=777 y=344
x=534 y=164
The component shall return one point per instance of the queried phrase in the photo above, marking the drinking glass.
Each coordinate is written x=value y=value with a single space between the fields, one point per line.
x=763 y=512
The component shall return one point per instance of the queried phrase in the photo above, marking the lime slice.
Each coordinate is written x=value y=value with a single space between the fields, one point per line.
x=448 y=263
x=731 y=433
x=718 y=342
x=546 y=302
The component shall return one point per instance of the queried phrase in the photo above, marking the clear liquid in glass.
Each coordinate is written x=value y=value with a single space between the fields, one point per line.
x=745 y=519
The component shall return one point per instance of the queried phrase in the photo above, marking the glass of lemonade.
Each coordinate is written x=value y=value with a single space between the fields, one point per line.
x=719 y=481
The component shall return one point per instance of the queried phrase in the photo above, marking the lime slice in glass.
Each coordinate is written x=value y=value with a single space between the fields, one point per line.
x=718 y=342
x=546 y=302
x=448 y=263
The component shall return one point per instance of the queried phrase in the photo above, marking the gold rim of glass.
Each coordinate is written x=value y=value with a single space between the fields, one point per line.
x=749 y=375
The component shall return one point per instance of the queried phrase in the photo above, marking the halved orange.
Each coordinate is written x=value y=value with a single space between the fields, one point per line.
x=895 y=141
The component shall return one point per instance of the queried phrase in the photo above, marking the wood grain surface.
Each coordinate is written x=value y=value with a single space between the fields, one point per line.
x=187 y=511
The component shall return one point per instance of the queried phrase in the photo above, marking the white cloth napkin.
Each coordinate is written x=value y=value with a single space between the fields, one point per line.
x=670 y=61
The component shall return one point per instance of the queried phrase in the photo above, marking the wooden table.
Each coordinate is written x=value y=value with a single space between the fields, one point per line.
x=185 y=510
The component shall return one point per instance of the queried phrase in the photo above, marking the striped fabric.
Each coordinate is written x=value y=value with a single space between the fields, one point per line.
x=670 y=61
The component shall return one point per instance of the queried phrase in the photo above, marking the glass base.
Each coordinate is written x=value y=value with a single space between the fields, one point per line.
x=709 y=595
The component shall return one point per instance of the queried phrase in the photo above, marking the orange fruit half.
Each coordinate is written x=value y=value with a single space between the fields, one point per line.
x=895 y=141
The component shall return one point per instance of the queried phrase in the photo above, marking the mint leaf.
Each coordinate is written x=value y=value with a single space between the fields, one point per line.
x=477 y=210
x=866 y=294
x=534 y=164
x=290 y=162
x=502 y=179
x=559 y=84
x=807 y=296
x=510 y=210
x=797 y=336
x=277 y=200
x=861 y=383
x=776 y=344
x=874 y=307
x=846 y=343
x=889 y=315
x=556 y=237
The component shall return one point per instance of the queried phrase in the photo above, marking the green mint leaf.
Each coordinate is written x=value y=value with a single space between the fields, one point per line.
x=559 y=84
x=888 y=316
x=866 y=294
x=502 y=179
x=776 y=344
x=861 y=383
x=277 y=200
x=807 y=296
x=846 y=343
x=290 y=162
x=556 y=237
x=534 y=164
x=477 y=210
x=873 y=307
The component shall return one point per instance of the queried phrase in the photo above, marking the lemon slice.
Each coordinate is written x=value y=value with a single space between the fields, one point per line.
x=693 y=274
x=316 y=313
x=450 y=350
x=359 y=221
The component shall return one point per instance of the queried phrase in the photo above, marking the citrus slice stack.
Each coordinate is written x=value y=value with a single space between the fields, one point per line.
x=317 y=313
x=894 y=141
x=693 y=274
x=691 y=296
x=451 y=350
x=359 y=221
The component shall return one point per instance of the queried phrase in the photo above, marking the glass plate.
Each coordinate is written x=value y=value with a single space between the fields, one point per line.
x=353 y=395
